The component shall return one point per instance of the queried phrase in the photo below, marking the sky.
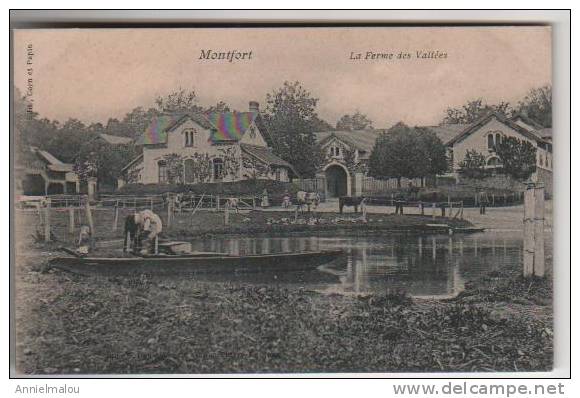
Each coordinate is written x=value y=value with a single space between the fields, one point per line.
x=95 y=74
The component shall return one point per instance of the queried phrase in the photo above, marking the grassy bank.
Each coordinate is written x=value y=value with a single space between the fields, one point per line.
x=72 y=324
x=211 y=223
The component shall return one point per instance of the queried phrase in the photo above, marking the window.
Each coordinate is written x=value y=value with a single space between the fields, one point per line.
x=190 y=138
x=277 y=174
x=334 y=151
x=162 y=171
x=218 y=169
x=252 y=132
x=542 y=161
x=497 y=138
x=490 y=142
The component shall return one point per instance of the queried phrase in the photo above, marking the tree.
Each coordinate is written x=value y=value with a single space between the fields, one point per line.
x=219 y=107
x=98 y=158
x=174 y=164
x=356 y=121
x=407 y=152
x=178 y=101
x=432 y=152
x=291 y=119
x=137 y=121
x=537 y=105
x=474 y=110
x=66 y=140
x=517 y=156
x=473 y=165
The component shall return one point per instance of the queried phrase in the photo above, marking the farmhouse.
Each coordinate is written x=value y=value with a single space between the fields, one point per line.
x=190 y=148
x=346 y=160
x=39 y=173
x=483 y=135
x=345 y=169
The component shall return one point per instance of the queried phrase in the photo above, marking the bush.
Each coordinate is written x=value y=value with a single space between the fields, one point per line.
x=246 y=187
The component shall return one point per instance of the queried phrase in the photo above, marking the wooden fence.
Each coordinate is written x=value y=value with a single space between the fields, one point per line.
x=373 y=186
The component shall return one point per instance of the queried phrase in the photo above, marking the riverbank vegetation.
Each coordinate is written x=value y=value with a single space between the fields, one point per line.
x=204 y=223
x=71 y=324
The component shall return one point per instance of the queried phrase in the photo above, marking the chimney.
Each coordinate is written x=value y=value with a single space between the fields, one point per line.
x=254 y=106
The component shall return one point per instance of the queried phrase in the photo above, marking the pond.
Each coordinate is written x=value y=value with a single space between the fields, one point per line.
x=424 y=266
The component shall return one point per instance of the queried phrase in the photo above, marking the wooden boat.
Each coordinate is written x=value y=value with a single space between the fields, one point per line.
x=193 y=263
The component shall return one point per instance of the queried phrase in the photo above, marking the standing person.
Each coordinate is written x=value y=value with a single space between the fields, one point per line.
x=286 y=200
x=265 y=200
x=399 y=202
x=483 y=201
x=84 y=242
x=150 y=227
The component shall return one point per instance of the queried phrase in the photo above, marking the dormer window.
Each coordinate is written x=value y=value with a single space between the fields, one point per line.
x=190 y=137
x=252 y=132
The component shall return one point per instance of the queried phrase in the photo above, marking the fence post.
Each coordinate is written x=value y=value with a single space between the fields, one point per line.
x=529 y=244
x=116 y=220
x=539 y=266
x=47 y=221
x=71 y=221
x=226 y=214
x=169 y=209
x=433 y=210
x=90 y=219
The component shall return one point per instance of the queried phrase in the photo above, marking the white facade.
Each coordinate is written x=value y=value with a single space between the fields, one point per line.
x=484 y=138
x=193 y=150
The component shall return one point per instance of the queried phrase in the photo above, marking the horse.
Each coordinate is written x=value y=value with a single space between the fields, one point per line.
x=308 y=199
x=355 y=201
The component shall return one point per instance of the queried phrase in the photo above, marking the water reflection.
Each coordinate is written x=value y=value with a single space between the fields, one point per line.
x=436 y=265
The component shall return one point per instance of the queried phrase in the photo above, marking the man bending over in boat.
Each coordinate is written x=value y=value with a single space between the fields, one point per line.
x=142 y=226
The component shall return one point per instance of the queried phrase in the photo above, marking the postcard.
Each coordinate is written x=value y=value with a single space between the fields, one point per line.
x=282 y=200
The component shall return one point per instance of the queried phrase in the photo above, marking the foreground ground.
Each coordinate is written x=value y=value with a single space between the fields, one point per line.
x=68 y=324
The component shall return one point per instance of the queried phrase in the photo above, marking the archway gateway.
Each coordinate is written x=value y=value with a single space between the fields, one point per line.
x=336 y=181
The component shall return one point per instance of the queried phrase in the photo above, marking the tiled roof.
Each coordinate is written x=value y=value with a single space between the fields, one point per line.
x=546 y=133
x=37 y=158
x=479 y=123
x=156 y=133
x=446 y=132
x=265 y=155
x=363 y=140
x=224 y=126
x=230 y=126
x=115 y=140
x=529 y=121
x=132 y=162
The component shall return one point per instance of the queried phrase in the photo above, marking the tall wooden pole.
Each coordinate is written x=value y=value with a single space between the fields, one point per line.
x=529 y=216
x=169 y=209
x=71 y=221
x=47 y=221
x=90 y=219
x=539 y=266
x=116 y=220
